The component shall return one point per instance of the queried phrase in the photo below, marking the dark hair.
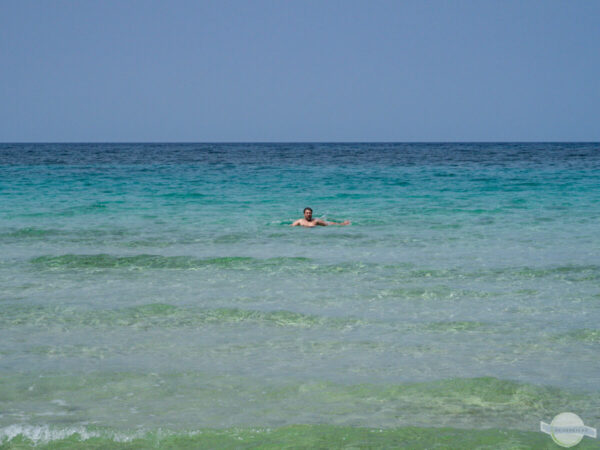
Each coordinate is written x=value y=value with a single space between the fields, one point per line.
x=310 y=209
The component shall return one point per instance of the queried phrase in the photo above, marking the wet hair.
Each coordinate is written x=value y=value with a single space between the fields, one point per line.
x=310 y=209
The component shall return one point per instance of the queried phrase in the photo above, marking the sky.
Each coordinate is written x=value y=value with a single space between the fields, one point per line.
x=297 y=71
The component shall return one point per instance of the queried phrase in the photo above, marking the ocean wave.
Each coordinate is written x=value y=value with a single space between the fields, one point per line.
x=294 y=436
x=154 y=315
x=91 y=208
x=436 y=292
x=404 y=270
x=160 y=315
x=30 y=232
x=487 y=411
x=69 y=235
x=586 y=335
x=36 y=435
x=147 y=261
x=457 y=326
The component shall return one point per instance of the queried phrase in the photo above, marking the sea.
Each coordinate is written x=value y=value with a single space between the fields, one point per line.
x=156 y=296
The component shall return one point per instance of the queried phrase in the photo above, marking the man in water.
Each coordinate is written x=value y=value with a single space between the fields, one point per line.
x=308 y=221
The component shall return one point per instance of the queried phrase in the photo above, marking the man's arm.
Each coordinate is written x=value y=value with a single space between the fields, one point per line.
x=296 y=223
x=323 y=223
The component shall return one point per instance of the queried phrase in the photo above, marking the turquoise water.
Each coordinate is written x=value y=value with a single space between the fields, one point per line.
x=155 y=295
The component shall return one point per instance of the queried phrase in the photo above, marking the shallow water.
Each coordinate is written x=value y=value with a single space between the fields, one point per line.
x=158 y=288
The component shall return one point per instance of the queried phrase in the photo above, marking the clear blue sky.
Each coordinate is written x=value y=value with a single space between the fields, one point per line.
x=299 y=70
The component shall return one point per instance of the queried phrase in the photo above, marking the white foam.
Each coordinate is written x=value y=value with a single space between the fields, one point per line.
x=43 y=433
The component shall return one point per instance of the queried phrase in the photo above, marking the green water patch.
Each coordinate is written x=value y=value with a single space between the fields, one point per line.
x=25 y=234
x=446 y=226
x=339 y=235
x=162 y=315
x=567 y=272
x=464 y=396
x=140 y=262
x=76 y=350
x=456 y=326
x=435 y=292
x=232 y=238
x=184 y=195
x=97 y=207
x=165 y=316
x=146 y=261
x=30 y=232
x=150 y=242
x=302 y=436
x=570 y=272
x=471 y=407
x=524 y=292
x=303 y=347
x=586 y=335
x=402 y=270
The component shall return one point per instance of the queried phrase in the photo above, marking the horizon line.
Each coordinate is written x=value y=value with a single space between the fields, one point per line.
x=302 y=142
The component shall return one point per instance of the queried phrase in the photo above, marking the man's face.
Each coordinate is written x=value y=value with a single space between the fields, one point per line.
x=308 y=214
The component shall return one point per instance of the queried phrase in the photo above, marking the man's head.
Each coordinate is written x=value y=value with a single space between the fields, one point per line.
x=308 y=213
